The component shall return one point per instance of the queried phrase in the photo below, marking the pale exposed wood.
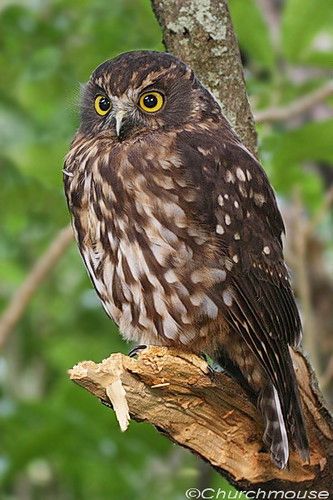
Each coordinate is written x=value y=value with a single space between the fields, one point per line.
x=210 y=414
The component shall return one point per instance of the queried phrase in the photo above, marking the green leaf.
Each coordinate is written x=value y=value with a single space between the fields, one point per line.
x=252 y=31
x=313 y=141
x=307 y=31
x=286 y=156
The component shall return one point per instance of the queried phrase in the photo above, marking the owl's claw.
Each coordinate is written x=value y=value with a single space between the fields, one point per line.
x=213 y=367
x=135 y=351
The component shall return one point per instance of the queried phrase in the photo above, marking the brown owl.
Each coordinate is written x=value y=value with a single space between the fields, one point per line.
x=179 y=229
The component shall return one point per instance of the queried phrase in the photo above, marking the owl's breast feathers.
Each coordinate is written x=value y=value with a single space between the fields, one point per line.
x=148 y=249
x=181 y=235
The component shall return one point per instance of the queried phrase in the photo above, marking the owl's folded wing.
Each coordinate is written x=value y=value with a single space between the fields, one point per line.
x=258 y=301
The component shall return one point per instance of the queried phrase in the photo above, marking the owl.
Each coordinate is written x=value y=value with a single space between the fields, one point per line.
x=180 y=231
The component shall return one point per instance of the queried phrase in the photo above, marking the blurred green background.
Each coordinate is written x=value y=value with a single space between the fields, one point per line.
x=56 y=441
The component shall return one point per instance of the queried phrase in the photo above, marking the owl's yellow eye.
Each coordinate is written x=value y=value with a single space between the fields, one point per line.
x=102 y=105
x=151 y=101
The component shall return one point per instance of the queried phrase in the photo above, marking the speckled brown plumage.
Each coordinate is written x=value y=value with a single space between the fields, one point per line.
x=180 y=232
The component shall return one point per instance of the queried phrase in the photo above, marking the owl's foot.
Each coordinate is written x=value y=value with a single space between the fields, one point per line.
x=135 y=351
x=213 y=366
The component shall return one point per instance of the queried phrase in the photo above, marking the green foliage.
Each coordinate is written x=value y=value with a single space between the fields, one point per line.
x=252 y=32
x=57 y=441
x=308 y=32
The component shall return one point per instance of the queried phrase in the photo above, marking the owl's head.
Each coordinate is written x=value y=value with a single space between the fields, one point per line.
x=139 y=92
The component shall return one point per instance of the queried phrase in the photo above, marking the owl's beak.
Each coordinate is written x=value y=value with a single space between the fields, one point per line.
x=119 y=121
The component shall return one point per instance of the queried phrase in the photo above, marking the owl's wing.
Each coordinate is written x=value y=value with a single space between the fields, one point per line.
x=250 y=228
x=257 y=299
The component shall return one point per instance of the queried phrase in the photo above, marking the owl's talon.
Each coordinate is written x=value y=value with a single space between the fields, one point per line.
x=213 y=366
x=135 y=351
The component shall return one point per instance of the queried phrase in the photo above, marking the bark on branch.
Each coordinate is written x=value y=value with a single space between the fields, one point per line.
x=210 y=414
x=297 y=107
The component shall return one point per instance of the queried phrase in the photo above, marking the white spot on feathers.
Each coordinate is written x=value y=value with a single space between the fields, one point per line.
x=227 y=219
x=174 y=212
x=170 y=276
x=240 y=174
x=212 y=274
x=229 y=176
x=178 y=304
x=159 y=253
x=227 y=297
x=187 y=337
x=219 y=229
x=159 y=303
x=170 y=327
x=209 y=308
x=164 y=182
x=203 y=151
x=259 y=199
x=197 y=298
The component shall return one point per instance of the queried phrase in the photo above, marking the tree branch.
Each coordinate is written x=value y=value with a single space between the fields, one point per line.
x=36 y=276
x=295 y=108
x=210 y=414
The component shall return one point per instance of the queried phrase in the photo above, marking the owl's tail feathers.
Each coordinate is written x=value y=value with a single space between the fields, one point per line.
x=277 y=427
x=296 y=424
x=275 y=435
